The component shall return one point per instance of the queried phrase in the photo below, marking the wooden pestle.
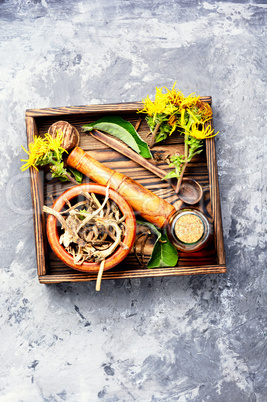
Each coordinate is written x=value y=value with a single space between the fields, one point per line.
x=143 y=201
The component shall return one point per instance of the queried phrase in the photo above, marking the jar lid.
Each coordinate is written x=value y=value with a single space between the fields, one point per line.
x=189 y=228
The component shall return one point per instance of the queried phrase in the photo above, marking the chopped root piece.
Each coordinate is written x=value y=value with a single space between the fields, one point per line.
x=99 y=276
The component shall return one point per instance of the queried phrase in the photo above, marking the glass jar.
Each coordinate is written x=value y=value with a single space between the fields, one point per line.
x=189 y=230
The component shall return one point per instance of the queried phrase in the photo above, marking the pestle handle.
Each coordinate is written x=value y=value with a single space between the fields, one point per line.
x=143 y=201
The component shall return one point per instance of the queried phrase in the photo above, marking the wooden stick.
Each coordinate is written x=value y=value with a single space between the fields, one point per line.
x=138 y=124
x=152 y=141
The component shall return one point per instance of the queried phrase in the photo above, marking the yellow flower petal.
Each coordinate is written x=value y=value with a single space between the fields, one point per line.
x=37 y=149
x=200 y=132
x=161 y=104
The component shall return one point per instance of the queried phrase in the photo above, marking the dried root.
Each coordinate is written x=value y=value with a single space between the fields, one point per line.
x=92 y=229
x=141 y=240
x=99 y=276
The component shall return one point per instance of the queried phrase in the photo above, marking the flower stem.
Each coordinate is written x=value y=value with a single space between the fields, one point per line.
x=65 y=174
x=71 y=178
x=154 y=132
x=179 y=182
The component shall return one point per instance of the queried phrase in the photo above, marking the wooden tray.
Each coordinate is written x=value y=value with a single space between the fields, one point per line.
x=44 y=189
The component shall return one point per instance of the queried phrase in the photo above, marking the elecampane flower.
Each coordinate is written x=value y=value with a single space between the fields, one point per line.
x=161 y=104
x=55 y=142
x=200 y=132
x=173 y=123
x=37 y=150
x=175 y=97
x=190 y=101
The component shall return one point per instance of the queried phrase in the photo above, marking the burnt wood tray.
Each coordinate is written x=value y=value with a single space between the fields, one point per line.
x=44 y=189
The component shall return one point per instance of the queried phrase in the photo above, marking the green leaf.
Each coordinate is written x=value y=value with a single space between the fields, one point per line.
x=123 y=130
x=163 y=254
x=82 y=216
x=77 y=175
x=170 y=175
x=61 y=178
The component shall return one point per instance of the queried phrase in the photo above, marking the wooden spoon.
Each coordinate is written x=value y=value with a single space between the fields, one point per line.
x=190 y=191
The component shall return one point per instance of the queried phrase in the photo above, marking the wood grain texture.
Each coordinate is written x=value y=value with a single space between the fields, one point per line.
x=203 y=168
x=121 y=108
x=102 y=109
x=128 y=274
x=215 y=199
x=37 y=201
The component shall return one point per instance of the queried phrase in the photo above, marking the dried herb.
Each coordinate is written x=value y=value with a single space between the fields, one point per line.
x=92 y=229
x=123 y=130
x=164 y=254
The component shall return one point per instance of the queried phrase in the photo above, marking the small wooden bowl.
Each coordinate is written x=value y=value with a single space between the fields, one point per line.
x=118 y=255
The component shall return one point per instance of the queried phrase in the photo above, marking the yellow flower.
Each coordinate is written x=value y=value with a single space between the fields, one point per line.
x=179 y=100
x=173 y=123
x=182 y=118
x=37 y=150
x=206 y=111
x=176 y=98
x=202 y=110
x=200 y=132
x=161 y=104
x=54 y=143
x=189 y=101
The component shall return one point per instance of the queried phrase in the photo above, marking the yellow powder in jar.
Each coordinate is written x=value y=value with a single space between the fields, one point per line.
x=189 y=228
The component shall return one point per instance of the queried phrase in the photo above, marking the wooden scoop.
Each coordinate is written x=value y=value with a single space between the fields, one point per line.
x=190 y=191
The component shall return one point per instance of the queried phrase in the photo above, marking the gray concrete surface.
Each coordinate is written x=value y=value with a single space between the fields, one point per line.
x=199 y=338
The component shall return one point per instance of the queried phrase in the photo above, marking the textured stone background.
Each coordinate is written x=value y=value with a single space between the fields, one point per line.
x=199 y=338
